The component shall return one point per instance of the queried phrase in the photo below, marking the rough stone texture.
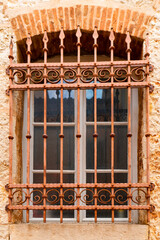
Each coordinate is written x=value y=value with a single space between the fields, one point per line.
x=78 y=231
x=22 y=13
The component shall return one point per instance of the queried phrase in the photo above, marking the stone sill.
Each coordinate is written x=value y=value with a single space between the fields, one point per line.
x=83 y=231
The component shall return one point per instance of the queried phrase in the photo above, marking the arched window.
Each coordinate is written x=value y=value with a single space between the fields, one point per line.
x=81 y=120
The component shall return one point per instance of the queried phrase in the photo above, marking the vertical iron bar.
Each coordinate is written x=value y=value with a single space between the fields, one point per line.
x=147 y=126
x=10 y=127
x=95 y=135
x=61 y=135
x=112 y=135
x=129 y=134
x=78 y=135
x=45 y=136
x=28 y=136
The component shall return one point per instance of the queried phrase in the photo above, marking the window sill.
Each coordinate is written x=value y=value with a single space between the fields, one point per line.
x=75 y=231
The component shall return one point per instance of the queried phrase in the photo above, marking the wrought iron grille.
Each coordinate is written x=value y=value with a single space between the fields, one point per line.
x=78 y=75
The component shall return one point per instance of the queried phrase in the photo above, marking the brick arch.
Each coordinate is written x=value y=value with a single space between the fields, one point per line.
x=87 y=16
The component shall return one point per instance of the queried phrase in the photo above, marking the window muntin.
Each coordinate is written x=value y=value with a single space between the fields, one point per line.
x=135 y=74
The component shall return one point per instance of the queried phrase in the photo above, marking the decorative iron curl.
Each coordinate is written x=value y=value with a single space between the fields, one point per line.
x=120 y=75
x=102 y=197
x=85 y=198
x=37 y=199
x=70 y=198
x=53 y=76
x=20 y=196
x=119 y=198
x=21 y=75
x=70 y=76
x=139 y=199
x=87 y=74
x=138 y=72
x=103 y=75
x=54 y=198
x=36 y=76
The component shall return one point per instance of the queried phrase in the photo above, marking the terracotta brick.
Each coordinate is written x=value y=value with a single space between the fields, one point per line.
x=85 y=11
x=17 y=34
x=141 y=33
x=25 y=19
x=115 y=19
x=96 y=23
x=21 y=27
x=91 y=16
x=121 y=15
x=14 y=23
x=44 y=19
x=147 y=20
x=56 y=22
x=85 y=21
x=36 y=15
x=120 y=26
x=108 y=25
x=37 y=20
x=109 y=12
x=60 y=16
x=126 y=21
x=34 y=31
x=139 y=23
x=98 y=12
x=51 y=20
x=39 y=27
x=135 y=16
x=60 y=12
x=71 y=10
x=103 y=19
x=29 y=30
x=72 y=24
x=79 y=15
x=66 y=14
x=131 y=28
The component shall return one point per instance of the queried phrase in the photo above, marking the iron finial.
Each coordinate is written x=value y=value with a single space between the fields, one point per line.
x=45 y=37
x=78 y=33
x=29 y=41
x=111 y=36
x=95 y=33
x=62 y=35
x=128 y=38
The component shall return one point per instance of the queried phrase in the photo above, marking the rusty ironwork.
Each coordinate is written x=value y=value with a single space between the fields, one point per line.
x=78 y=75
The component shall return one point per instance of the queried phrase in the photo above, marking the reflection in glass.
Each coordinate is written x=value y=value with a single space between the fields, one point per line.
x=53 y=148
x=53 y=105
x=104 y=105
x=38 y=106
x=103 y=147
x=120 y=147
x=38 y=148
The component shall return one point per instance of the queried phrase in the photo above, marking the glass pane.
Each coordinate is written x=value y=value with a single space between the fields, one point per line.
x=38 y=106
x=120 y=105
x=90 y=105
x=103 y=105
x=120 y=151
x=68 y=105
x=53 y=105
x=103 y=147
x=68 y=148
x=38 y=148
x=101 y=178
x=53 y=148
x=120 y=178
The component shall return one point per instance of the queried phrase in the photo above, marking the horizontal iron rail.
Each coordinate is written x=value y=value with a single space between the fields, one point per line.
x=87 y=207
x=76 y=85
x=138 y=63
x=74 y=185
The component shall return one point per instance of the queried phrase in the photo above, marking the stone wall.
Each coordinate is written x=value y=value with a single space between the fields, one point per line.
x=17 y=17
